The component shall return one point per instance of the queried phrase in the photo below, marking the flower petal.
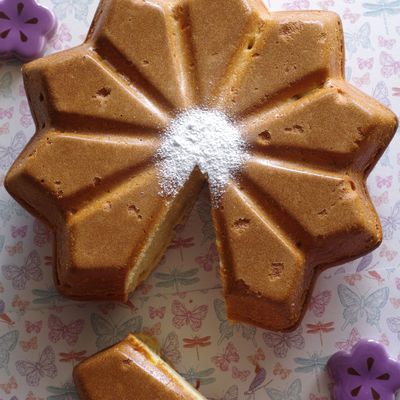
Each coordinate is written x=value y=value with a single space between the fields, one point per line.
x=80 y=91
x=263 y=272
x=139 y=37
x=325 y=213
x=293 y=53
x=335 y=126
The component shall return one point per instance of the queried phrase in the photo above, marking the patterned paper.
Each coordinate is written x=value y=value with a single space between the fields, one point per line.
x=42 y=335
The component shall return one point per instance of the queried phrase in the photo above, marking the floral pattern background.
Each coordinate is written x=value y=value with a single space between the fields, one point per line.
x=42 y=335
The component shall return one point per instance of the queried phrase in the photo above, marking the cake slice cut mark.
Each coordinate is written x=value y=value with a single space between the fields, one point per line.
x=84 y=198
x=284 y=224
x=179 y=26
x=133 y=81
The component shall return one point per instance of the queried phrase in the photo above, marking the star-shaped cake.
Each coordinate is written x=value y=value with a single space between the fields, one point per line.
x=296 y=204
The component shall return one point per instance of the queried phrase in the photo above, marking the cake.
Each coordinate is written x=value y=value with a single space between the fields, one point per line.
x=293 y=203
x=131 y=371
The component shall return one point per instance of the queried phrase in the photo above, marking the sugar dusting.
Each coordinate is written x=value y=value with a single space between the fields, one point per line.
x=201 y=138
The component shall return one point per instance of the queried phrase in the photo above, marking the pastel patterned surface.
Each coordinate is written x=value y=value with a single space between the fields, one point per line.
x=42 y=335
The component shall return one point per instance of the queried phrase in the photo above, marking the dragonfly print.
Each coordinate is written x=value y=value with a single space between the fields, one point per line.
x=383 y=8
x=315 y=363
x=177 y=278
x=197 y=342
x=181 y=243
x=320 y=328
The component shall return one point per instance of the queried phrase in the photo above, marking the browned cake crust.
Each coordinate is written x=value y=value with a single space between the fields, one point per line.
x=300 y=203
x=130 y=371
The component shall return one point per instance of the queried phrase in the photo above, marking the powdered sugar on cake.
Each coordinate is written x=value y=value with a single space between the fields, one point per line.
x=201 y=138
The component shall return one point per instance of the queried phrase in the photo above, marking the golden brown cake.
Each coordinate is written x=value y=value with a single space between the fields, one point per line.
x=298 y=202
x=130 y=371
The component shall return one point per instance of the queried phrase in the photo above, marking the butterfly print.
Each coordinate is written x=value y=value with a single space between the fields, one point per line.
x=31 y=396
x=17 y=249
x=293 y=392
x=19 y=276
x=361 y=38
x=396 y=91
x=78 y=8
x=394 y=325
x=20 y=304
x=280 y=371
x=5 y=128
x=9 y=153
x=352 y=17
x=297 y=5
x=242 y=375
x=385 y=252
x=319 y=302
x=382 y=199
x=31 y=344
x=109 y=333
x=42 y=233
x=227 y=329
x=34 y=372
x=63 y=35
x=9 y=386
x=390 y=66
x=384 y=182
x=155 y=330
x=26 y=117
x=70 y=333
x=397 y=280
x=256 y=358
x=391 y=223
x=365 y=63
x=206 y=262
x=229 y=356
x=381 y=93
x=324 y=5
x=6 y=113
x=395 y=303
x=170 y=349
x=363 y=80
x=19 y=231
x=356 y=306
x=34 y=327
x=7 y=345
x=282 y=342
x=182 y=316
x=386 y=43
x=157 y=312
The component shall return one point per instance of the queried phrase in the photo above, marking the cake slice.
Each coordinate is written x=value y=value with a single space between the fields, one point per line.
x=130 y=371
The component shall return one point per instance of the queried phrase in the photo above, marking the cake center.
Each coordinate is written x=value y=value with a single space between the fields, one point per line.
x=206 y=139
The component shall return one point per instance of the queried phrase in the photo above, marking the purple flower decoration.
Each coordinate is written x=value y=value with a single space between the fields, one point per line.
x=25 y=28
x=367 y=373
